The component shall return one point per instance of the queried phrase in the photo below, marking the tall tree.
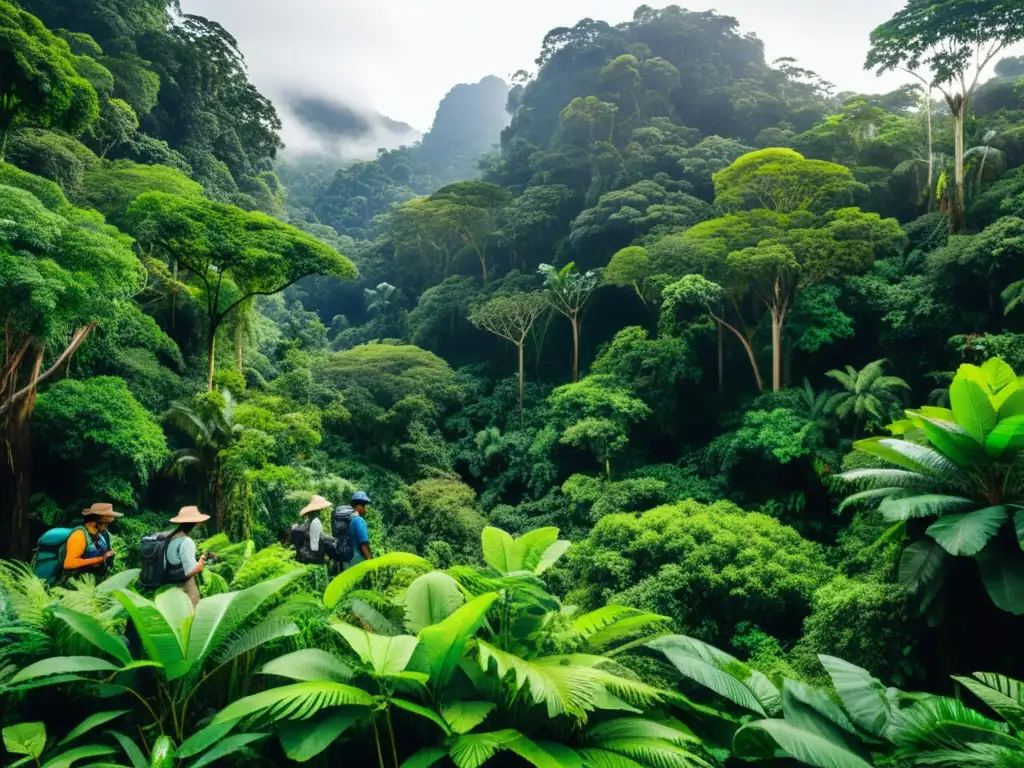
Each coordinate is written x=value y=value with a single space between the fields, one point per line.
x=954 y=41
x=568 y=291
x=867 y=394
x=39 y=83
x=62 y=271
x=223 y=247
x=512 y=317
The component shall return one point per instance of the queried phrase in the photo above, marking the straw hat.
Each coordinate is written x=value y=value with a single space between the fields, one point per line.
x=190 y=515
x=315 y=505
x=100 y=508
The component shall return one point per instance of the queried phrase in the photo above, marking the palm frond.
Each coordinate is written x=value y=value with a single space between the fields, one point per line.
x=299 y=701
x=243 y=641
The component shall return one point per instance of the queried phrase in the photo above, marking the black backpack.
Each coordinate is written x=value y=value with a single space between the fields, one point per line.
x=156 y=570
x=341 y=518
x=303 y=551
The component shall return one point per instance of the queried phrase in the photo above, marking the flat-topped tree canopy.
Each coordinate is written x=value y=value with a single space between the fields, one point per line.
x=232 y=254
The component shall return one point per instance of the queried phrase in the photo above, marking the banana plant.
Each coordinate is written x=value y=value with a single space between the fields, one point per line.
x=183 y=649
x=961 y=466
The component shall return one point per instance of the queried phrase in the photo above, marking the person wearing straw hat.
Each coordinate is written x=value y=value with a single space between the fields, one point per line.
x=88 y=547
x=181 y=549
x=314 y=526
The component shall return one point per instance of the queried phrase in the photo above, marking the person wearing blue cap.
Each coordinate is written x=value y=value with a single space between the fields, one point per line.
x=358 y=531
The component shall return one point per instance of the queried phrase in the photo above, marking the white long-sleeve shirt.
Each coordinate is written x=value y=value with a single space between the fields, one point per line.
x=316 y=529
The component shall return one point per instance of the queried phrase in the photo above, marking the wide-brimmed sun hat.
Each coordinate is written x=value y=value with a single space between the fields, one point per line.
x=102 y=509
x=190 y=515
x=315 y=505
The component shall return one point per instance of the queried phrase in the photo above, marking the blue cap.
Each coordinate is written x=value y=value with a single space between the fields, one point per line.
x=360 y=497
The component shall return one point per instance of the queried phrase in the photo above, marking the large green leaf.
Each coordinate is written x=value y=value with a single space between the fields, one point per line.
x=299 y=701
x=865 y=699
x=442 y=645
x=229 y=746
x=812 y=709
x=968 y=534
x=425 y=712
x=552 y=555
x=1002 y=573
x=474 y=749
x=1018 y=524
x=899 y=508
x=500 y=550
x=384 y=654
x=693 y=662
x=952 y=440
x=303 y=740
x=970 y=404
x=938 y=722
x=346 y=581
x=131 y=749
x=90 y=629
x=249 y=639
x=159 y=640
x=998 y=373
x=638 y=728
x=122 y=580
x=910 y=456
x=807 y=747
x=613 y=624
x=562 y=687
x=430 y=599
x=1002 y=694
x=92 y=721
x=309 y=665
x=464 y=716
x=426 y=757
x=204 y=738
x=531 y=546
x=25 y=739
x=1012 y=405
x=921 y=564
x=63 y=665
x=219 y=616
x=177 y=609
x=1008 y=435
x=72 y=756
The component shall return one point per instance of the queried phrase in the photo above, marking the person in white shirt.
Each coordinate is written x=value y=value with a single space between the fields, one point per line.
x=315 y=526
x=181 y=550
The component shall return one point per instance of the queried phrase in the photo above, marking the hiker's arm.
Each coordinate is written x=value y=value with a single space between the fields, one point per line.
x=75 y=549
x=365 y=549
x=189 y=564
x=362 y=537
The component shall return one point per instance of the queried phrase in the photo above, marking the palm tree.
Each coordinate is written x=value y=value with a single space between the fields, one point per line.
x=868 y=395
x=568 y=291
x=379 y=299
x=209 y=422
x=814 y=408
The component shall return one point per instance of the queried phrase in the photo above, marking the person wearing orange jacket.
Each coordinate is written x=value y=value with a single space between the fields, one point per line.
x=88 y=547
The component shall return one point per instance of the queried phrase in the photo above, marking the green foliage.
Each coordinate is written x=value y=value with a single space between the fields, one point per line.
x=96 y=427
x=707 y=567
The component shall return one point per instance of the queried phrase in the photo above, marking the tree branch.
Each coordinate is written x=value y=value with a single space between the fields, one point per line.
x=58 y=366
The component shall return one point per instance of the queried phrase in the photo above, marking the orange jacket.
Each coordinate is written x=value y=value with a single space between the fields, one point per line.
x=76 y=547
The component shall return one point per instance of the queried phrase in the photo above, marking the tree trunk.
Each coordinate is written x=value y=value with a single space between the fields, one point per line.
x=721 y=358
x=239 y=353
x=958 y=213
x=522 y=376
x=930 y=195
x=776 y=350
x=14 y=522
x=575 y=348
x=750 y=352
x=212 y=349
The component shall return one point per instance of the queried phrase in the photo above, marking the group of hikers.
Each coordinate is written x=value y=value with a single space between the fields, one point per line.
x=169 y=557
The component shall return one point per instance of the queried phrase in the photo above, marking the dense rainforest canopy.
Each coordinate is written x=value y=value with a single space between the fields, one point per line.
x=688 y=389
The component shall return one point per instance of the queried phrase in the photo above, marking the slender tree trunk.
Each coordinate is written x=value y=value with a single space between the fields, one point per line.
x=776 y=349
x=721 y=358
x=174 y=294
x=930 y=195
x=749 y=349
x=212 y=349
x=522 y=376
x=958 y=214
x=608 y=468
x=14 y=522
x=575 y=348
x=239 y=352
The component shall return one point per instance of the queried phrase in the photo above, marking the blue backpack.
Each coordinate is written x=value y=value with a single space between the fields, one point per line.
x=48 y=563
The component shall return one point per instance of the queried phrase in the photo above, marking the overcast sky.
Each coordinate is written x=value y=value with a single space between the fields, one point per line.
x=401 y=56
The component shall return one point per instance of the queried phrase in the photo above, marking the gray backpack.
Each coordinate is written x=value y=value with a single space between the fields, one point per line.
x=341 y=518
